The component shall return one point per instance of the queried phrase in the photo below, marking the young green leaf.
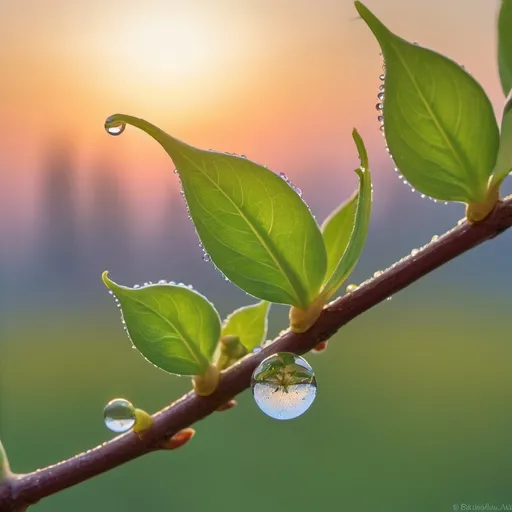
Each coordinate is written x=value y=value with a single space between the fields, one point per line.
x=337 y=229
x=255 y=228
x=439 y=124
x=505 y=45
x=346 y=229
x=504 y=160
x=249 y=324
x=173 y=327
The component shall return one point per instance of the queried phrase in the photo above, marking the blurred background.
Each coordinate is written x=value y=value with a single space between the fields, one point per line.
x=413 y=410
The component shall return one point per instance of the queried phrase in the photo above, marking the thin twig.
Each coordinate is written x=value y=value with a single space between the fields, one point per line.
x=26 y=489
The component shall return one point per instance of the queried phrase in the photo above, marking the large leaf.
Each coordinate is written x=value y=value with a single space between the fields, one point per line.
x=439 y=124
x=504 y=160
x=173 y=327
x=255 y=228
x=249 y=324
x=505 y=45
x=346 y=229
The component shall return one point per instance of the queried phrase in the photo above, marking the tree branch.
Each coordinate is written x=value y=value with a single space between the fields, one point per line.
x=23 y=490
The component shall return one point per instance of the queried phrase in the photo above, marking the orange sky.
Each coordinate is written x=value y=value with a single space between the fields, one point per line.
x=282 y=81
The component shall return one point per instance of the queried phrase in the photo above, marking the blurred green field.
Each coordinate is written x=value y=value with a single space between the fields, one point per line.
x=413 y=413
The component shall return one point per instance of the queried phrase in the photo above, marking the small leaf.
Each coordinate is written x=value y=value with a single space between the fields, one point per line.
x=504 y=160
x=337 y=229
x=254 y=227
x=249 y=324
x=346 y=229
x=173 y=327
x=439 y=123
x=505 y=45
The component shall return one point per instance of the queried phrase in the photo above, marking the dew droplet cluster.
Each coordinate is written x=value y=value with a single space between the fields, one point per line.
x=297 y=190
x=380 y=107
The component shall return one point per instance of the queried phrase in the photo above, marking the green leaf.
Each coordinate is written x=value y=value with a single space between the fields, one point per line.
x=505 y=45
x=337 y=229
x=346 y=229
x=249 y=323
x=439 y=123
x=255 y=228
x=504 y=160
x=173 y=327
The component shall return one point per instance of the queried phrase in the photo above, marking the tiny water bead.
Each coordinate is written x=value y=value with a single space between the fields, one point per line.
x=284 y=386
x=119 y=415
x=114 y=127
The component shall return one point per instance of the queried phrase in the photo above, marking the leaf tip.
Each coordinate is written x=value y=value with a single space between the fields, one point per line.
x=106 y=280
x=361 y=149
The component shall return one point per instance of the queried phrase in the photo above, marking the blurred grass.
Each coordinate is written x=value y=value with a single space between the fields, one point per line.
x=413 y=413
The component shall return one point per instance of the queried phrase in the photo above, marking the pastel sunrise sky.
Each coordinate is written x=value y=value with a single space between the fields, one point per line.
x=282 y=81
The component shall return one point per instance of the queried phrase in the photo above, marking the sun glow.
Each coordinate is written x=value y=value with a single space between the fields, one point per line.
x=186 y=59
x=162 y=49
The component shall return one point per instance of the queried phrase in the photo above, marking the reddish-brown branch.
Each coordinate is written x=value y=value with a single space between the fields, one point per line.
x=27 y=489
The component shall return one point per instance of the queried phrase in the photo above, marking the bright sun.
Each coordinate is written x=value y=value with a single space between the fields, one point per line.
x=169 y=49
x=182 y=46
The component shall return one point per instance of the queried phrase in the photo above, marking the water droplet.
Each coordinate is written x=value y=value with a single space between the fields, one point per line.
x=298 y=191
x=377 y=273
x=136 y=286
x=381 y=87
x=380 y=96
x=162 y=281
x=114 y=128
x=461 y=221
x=390 y=297
x=414 y=252
x=434 y=238
x=119 y=415
x=379 y=106
x=382 y=77
x=255 y=350
x=284 y=386
x=283 y=176
x=380 y=119
x=206 y=257
x=415 y=43
x=351 y=288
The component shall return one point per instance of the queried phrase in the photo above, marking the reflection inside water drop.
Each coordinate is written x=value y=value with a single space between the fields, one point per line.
x=114 y=128
x=119 y=415
x=284 y=386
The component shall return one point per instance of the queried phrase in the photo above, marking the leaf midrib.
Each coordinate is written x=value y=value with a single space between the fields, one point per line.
x=186 y=342
x=290 y=275
x=434 y=117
